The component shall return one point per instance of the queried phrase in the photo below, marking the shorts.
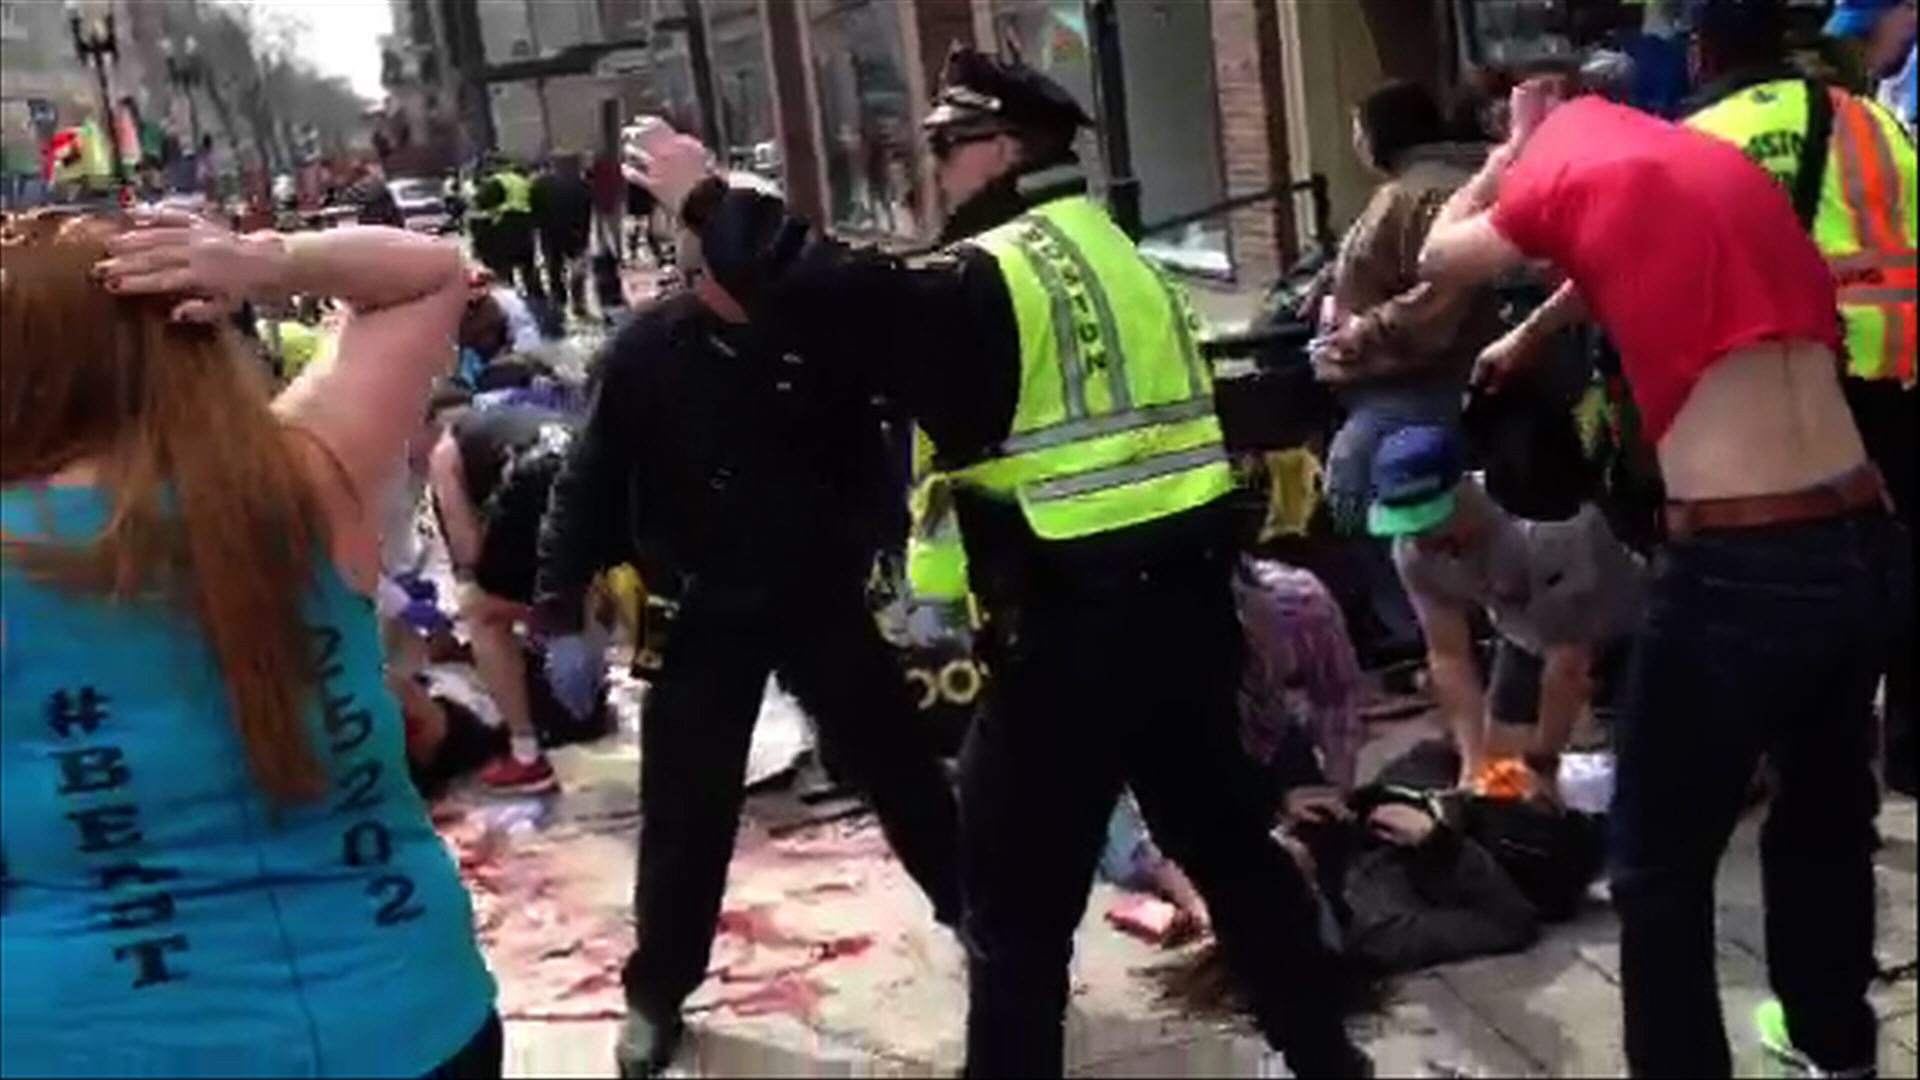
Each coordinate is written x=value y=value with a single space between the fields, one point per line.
x=1513 y=690
x=510 y=552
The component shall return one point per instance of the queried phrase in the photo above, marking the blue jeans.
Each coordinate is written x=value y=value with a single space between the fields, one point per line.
x=1761 y=643
x=1373 y=413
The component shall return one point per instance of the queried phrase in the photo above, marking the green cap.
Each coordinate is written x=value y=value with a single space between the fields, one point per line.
x=1409 y=518
x=1415 y=472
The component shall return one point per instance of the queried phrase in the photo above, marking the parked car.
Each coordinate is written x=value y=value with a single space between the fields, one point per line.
x=422 y=201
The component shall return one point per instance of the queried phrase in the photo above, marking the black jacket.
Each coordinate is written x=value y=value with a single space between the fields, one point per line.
x=1443 y=900
x=713 y=462
x=562 y=211
x=937 y=336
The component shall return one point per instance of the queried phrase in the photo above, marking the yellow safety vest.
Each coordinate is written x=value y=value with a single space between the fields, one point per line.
x=1865 y=221
x=299 y=345
x=1114 y=425
x=516 y=197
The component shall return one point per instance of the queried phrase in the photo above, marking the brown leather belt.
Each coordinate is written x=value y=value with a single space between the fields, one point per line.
x=1856 y=489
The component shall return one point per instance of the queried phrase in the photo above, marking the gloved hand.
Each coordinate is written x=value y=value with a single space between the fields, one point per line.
x=416 y=586
x=575 y=665
x=426 y=617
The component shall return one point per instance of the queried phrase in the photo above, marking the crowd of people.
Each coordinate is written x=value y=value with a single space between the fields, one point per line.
x=225 y=579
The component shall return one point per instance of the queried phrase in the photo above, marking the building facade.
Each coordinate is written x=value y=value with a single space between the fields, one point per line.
x=1225 y=99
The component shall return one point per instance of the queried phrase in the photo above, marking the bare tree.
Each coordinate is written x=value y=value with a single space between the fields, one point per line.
x=262 y=91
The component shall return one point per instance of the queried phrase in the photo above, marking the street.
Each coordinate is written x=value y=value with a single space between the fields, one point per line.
x=827 y=963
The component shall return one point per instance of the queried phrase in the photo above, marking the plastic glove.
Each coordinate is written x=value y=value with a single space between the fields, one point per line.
x=420 y=588
x=426 y=617
x=575 y=665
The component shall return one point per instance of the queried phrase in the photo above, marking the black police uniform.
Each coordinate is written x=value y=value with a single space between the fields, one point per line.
x=754 y=496
x=1114 y=658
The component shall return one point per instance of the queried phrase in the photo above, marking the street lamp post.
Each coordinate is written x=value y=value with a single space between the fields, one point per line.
x=95 y=44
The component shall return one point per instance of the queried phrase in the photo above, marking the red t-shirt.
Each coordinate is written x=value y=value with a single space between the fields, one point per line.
x=1682 y=248
x=609 y=185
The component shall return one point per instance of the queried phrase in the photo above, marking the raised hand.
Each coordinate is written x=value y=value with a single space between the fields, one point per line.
x=664 y=161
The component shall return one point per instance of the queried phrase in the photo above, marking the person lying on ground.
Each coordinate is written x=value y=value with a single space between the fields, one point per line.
x=1409 y=878
x=214 y=860
x=1406 y=888
x=1563 y=597
x=1131 y=861
x=490 y=474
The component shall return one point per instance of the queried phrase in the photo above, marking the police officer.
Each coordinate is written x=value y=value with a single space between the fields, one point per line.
x=1850 y=169
x=501 y=220
x=1055 y=374
x=754 y=494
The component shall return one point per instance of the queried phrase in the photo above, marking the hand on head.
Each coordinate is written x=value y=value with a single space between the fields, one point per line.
x=172 y=251
x=1529 y=104
x=1399 y=824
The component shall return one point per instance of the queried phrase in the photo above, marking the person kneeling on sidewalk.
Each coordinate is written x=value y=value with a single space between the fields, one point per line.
x=490 y=475
x=1563 y=597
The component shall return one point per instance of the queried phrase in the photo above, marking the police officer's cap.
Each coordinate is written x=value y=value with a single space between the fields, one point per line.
x=980 y=92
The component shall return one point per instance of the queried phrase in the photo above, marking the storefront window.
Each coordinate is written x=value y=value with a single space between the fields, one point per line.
x=1515 y=32
x=1166 y=51
x=868 y=121
x=1050 y=35
x=741 y=92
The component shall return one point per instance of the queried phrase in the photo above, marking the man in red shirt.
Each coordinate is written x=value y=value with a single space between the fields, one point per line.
x=1766 y=624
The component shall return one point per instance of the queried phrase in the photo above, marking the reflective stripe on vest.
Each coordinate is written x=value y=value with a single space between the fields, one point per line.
x=1114 y=425
x=1865 y=221
x=936 y=555
x=1877 y=291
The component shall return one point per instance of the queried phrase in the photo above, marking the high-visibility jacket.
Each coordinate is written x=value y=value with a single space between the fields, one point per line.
x=296 y=344
x=1114 y=425
x=1865 y=217
x=516 y=197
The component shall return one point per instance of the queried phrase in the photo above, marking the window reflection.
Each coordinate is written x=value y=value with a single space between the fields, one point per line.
x=867 y=116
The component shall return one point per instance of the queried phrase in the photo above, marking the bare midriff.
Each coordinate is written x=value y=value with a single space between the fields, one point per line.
x=1763 y=420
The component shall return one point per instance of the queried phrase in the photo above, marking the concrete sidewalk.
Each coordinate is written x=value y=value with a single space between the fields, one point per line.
x=829 y=964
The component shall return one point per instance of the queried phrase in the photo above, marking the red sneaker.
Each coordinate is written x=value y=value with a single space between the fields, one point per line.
x=509 y=774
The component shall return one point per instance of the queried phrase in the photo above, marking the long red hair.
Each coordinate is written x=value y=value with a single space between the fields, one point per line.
x=210 y=508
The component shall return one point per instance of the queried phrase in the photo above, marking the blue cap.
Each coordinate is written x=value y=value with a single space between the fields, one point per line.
x=1415 y=471
x=1855 y=18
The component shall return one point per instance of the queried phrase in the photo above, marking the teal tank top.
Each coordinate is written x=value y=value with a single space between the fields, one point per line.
x=158 y=915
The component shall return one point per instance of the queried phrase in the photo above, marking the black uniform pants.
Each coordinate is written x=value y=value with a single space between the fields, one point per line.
x=566 y=273
x=694 y=734
x=507 y=251
x=1125 y=681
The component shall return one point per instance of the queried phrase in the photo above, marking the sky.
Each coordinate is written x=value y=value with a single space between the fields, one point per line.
x=339 y=37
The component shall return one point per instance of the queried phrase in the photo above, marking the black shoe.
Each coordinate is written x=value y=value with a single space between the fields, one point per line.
x=646 y=1047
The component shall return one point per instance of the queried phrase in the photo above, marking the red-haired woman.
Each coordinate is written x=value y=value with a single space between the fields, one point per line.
x=214 y=861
